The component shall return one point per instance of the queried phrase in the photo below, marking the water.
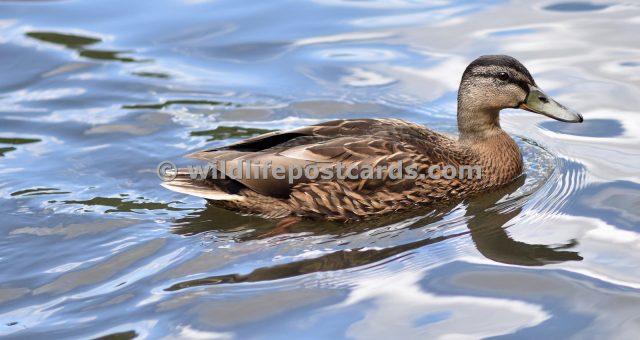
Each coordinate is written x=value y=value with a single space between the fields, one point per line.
x=94 y=94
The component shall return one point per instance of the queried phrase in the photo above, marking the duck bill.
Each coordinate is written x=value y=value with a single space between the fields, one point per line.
x=538 y=102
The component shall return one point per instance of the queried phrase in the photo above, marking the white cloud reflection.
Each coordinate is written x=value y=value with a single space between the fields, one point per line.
x=401 y=309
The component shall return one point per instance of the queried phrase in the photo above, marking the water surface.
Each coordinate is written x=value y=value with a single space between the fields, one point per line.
x=94 y=94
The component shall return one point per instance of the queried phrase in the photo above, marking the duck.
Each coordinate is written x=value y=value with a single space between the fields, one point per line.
x=489 y=84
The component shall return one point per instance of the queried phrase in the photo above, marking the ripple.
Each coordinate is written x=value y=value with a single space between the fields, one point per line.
x=357 y=54
x=576 y=7
x=513 y=32
x=341 y=38
x=596 y=128
x=227 y=132
x=39 y=191
x=630 y=64
x=119 y=204
x=74 y=230
x=360 y=77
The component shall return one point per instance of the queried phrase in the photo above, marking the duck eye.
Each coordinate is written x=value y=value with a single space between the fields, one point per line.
x=503 y=76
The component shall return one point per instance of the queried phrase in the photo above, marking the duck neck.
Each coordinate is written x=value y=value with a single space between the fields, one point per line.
x=476 y=123
x=497 y=153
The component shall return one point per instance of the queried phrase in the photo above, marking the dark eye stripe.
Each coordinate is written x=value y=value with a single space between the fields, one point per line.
x=501 y=61
x=521 y=83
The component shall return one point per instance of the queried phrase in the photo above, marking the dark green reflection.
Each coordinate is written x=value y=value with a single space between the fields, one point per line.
x=226 y=132
x=15 y=141
x=5 y=150
x=79 y=43
x=121 y=205
x=107 y=55
x=486 y=227
x=157 y=75
x=68 y=40
x=175 y=102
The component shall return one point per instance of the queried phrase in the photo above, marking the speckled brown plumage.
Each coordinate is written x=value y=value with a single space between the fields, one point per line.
x=376 y=142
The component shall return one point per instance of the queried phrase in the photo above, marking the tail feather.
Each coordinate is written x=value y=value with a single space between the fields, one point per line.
x=185 y=185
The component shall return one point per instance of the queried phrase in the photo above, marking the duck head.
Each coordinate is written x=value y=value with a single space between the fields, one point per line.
x=495 y=82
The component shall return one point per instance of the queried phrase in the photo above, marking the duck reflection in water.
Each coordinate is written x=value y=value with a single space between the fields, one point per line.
x=486 y=226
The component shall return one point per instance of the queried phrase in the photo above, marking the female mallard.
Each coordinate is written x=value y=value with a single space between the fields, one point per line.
x=489 y=84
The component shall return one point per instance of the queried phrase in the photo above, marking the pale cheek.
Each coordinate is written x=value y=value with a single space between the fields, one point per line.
x=511 y=100
x=502 y=98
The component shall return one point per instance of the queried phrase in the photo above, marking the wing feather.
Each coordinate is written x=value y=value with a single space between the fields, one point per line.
x=371 y=142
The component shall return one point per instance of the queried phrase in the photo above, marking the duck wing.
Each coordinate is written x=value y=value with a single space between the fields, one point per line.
x=358 y=142
x=391 y=128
